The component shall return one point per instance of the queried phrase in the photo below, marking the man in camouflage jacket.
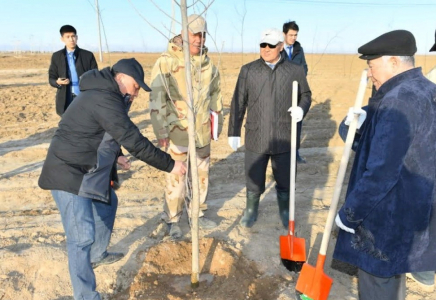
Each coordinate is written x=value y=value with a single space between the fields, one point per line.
x=169 y=116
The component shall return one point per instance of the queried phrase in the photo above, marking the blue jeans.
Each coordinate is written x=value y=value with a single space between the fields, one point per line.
x=88 y=227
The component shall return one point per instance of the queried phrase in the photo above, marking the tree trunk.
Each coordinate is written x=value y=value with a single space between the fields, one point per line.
x=195 y=202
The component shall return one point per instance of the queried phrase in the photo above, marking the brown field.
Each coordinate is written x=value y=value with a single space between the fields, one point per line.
x=235 y=263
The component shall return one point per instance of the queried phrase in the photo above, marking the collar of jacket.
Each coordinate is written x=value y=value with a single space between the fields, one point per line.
x=76 y=51
x=398 y=79
x=296 y=48
x=281 y=60
x=175 y=48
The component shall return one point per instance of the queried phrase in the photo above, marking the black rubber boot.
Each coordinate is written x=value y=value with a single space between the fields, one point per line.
x=251 y=210
x=283 y=201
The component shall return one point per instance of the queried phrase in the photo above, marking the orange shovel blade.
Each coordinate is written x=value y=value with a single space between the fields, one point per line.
x=313 y=282
x=292 y=248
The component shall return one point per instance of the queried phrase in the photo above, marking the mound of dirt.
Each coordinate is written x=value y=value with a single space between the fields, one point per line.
x=224 y=274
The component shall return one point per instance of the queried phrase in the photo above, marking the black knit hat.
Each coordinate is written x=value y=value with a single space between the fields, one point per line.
x=395 y=43
x=132 y=67
x=434 y=46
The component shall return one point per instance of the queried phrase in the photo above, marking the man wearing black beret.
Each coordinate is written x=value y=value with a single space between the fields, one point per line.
x=388 y=228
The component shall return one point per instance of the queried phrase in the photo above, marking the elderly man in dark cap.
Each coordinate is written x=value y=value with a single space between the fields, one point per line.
x=81 y=162
x=388 y=228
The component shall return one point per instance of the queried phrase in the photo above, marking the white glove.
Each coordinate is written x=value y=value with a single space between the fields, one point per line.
x=234 y=142
x=350 y=116
x=342 y=226
x=296 y=113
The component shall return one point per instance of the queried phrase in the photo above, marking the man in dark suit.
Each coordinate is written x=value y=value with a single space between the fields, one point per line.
x=293 y=51
x=66 y=67
x=291 y=47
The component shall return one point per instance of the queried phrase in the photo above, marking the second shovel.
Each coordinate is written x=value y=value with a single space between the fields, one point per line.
x=292 y=248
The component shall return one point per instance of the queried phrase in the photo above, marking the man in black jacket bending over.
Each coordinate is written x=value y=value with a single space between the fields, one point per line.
x=67 y=65
x=264 y=90
x=81 y=161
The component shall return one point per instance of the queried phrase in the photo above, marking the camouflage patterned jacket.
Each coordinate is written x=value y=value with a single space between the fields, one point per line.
x=168 y=108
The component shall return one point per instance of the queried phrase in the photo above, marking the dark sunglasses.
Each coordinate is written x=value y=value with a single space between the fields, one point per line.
x=263 y=45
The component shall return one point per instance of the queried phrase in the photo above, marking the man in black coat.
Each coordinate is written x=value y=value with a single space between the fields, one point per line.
x=81 y=162
x=67 y=65
x=264 y=90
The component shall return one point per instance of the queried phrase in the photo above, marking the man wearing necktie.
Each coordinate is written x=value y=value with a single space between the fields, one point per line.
x=292 y=48
x=293 y=51
x=66 y=67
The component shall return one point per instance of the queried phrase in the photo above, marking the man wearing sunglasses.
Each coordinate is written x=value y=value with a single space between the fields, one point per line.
x=264 y=91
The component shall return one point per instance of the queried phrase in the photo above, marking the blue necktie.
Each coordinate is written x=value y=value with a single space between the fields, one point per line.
x=290 y=52
x=73 y=73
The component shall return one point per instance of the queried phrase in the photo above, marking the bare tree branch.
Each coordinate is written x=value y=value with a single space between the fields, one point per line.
x=104 y=31
x=206 y=6
x=194 y=3
x=169 y=16
x=242 y=17
x=151 y=25
x=173 y=34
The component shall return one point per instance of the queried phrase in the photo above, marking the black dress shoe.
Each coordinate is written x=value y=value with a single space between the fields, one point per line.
x=109 y=259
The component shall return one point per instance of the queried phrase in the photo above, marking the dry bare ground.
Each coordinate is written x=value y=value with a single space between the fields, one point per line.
x=235 y=263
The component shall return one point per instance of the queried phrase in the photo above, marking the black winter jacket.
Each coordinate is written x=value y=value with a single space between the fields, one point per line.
x=85 y=147
x=297 y=56
x=266 y=94
x=85 y=61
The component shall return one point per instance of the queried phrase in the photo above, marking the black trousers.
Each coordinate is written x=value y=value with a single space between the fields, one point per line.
x=374 y=288
x=299 y=127
x=255 y=171
x=70 y=98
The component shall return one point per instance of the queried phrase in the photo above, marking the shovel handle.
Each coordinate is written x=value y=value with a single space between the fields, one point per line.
x=343 y=165
x=293 y=156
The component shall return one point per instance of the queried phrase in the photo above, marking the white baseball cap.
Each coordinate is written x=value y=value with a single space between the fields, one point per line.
x=197 y=24
x=271 y=36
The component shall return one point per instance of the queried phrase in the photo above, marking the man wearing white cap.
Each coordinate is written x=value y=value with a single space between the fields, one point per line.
x=169 y=116
x=264 y=92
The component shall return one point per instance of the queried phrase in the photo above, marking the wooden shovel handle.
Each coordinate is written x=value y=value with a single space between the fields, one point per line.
x=293 y=156
x=343 y=165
